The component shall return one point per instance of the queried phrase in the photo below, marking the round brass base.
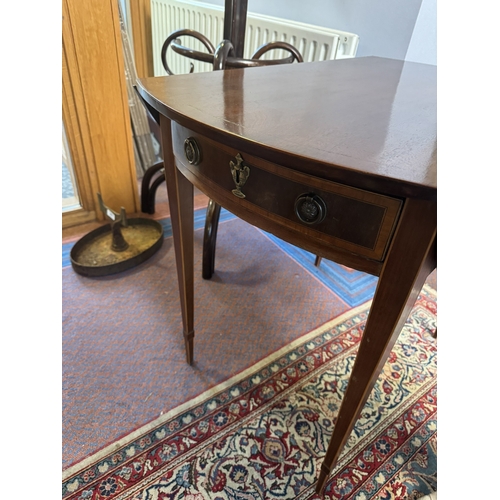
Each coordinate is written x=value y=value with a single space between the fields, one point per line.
x=93 y=255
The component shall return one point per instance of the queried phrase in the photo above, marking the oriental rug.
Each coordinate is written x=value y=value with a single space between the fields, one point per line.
x=263 y=433
x=123 y=353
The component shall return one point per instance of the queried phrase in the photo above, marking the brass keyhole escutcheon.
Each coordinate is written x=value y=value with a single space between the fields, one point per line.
x=240 y=173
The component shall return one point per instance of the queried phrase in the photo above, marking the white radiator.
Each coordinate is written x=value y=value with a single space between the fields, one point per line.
x=313 y=42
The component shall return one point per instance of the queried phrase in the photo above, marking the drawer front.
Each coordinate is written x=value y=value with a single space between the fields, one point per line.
x=350 y=219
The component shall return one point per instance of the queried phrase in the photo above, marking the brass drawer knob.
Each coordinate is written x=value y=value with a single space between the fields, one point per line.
x=192 y=151
x=310 y=208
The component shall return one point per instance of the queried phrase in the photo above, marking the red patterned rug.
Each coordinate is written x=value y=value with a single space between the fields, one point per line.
x=263 y=433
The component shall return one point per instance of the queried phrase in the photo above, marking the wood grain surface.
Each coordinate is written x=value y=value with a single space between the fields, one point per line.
x=368 y=122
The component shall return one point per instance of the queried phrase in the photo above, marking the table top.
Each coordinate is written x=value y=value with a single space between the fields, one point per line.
x=368 y=121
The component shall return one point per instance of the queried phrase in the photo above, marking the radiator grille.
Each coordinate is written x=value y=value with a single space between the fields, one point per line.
x=313 y=42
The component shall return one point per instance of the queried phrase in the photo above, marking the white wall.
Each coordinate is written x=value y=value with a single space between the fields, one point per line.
x=385 y=27
x=423 y=43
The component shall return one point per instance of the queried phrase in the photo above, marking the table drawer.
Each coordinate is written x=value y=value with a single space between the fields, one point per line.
x=351 y=219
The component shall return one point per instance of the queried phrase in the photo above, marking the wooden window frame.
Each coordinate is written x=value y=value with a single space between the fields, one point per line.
x=140 y=19
x=95 y=109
